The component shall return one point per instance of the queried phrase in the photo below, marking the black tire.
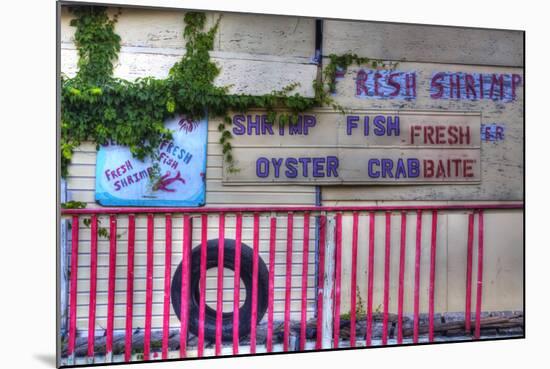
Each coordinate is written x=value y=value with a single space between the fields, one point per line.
x=210 y=314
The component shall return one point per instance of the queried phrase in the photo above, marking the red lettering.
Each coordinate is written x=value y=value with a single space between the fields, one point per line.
x=415 y=133
x=361 y=83
x=481 y=86
x=453 y=135
x=377 y=76
x=428 y=168
x=468 y=168
x=470 y=86
x=452 y=86
x=516 y=79
x=457 y=162
x=396 y=86
x=428 y=133
x=464 y=133
x=440 y=169
x=410 y=82
x=440 y=135
x=494 y=81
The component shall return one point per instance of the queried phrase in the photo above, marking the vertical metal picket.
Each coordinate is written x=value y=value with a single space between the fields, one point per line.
x=432 y=277
x=288 y=282
x=303 y=307
x=254 y=312
x=167 y=276
x=111 y=289
x=237 y=282
x=130 y=288
x=149 y=287
x=417 y=256
x=93 y=289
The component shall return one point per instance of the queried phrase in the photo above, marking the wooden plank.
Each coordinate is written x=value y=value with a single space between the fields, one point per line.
x=425 y=43
x=235 y=73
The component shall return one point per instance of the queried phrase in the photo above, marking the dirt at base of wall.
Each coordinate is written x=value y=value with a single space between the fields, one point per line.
x=446 y=326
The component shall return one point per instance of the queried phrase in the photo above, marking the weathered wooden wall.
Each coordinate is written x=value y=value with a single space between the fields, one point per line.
x=418 y=43
x=258 y=54
x=426 y=50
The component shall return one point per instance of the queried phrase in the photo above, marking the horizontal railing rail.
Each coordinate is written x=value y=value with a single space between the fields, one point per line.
x=268 y=209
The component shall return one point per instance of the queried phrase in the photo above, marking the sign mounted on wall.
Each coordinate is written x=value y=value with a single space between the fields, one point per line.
x=179 y=180
x=359 y=147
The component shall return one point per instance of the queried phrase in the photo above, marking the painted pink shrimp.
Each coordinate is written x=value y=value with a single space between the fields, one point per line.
x=188 y=125
x=164 y=181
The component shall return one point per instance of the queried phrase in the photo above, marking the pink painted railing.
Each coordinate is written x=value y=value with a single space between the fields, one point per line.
x=307 y=212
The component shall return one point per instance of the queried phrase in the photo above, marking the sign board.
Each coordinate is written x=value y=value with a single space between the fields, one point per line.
x=359 y=147
x=122 y=180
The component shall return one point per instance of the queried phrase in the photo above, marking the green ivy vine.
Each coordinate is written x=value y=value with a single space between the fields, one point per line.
x=95 y=106
x=101 y=231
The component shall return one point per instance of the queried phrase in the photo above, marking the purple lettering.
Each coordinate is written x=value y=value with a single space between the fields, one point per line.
x=437 y=85
x=262 y=167
x=291 y=171
x=309 y=122
x=253 y=124
x=332 y=166
x=305 y=162
x=379 y=128
x=318 y=167
x=276 y=165
x=372 y=172
x=351 y=123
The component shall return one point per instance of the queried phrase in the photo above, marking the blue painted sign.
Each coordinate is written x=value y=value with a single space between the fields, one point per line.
x=177 y=179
